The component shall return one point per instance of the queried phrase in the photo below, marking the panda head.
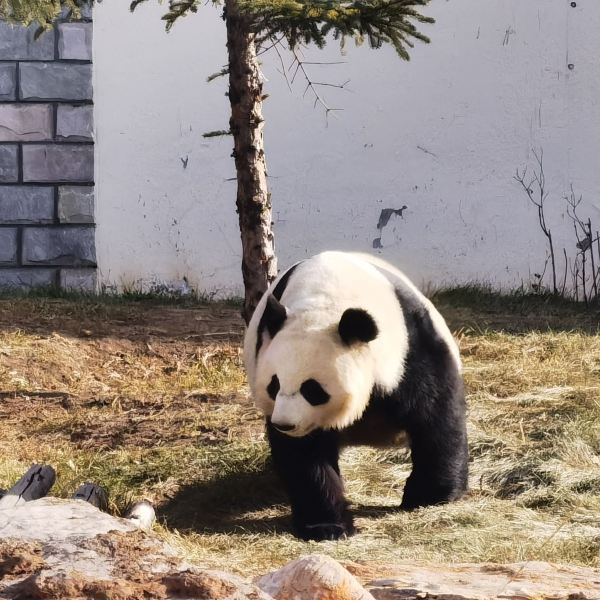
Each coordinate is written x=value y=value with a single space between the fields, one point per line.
x=314 y=372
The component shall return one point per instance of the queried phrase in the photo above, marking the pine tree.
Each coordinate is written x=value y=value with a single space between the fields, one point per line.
x=43 y=12
x=251 y=26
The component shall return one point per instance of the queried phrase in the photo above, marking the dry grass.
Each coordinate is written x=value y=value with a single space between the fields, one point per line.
x=150 y=401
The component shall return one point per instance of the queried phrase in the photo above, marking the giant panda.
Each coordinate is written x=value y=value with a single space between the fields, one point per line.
x=343 y=350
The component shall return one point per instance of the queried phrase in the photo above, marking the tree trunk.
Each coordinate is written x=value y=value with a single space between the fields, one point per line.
x=259 y=264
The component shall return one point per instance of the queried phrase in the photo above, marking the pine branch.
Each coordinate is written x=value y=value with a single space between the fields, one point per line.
x=217 y=133
x=310 y=84
x=224 y=71
x=44 y=13
x=379 y=21
x=310 y=22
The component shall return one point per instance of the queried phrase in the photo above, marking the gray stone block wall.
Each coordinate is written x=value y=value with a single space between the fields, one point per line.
x=47 y=156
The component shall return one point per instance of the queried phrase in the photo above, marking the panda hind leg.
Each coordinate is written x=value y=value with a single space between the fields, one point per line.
x=309 y=470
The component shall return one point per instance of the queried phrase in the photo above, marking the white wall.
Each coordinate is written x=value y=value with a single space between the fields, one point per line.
x=442 y=135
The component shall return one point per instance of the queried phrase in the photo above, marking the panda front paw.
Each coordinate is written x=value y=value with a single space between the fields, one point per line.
x=320 y=532
x=419 y=494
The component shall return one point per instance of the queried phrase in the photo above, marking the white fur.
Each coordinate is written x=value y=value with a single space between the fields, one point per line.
x=308 y=346
x=438 y=321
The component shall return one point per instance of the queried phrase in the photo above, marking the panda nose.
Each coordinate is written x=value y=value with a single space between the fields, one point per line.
x=283 y=427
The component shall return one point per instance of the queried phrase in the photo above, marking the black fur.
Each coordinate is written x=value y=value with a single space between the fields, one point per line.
x=274 y=316
x=428 y=405
x=273 y=387
x=357 y=325
x=272 y=319
x=309 y=469
x=314 y=393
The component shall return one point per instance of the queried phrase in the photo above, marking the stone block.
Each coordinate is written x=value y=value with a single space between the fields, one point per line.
x=78 y=280
x=8 y=245
x=8 y=81
x=55 y=81
x=9 y=169
x=47 y=162
x=25 y=122
x=76 y=204
x=18 y=43
x=75 y=122
x=65 y=246
x=26 y=204
x=27 y=278
x=75 y=41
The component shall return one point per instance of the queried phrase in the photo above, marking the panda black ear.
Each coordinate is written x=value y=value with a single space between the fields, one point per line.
x=357 y=325
x=274 y=315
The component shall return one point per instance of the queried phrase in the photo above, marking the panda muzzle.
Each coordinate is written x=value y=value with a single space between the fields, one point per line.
x=283 y=427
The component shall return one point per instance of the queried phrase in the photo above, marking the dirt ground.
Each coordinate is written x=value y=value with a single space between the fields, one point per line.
x=150 y=401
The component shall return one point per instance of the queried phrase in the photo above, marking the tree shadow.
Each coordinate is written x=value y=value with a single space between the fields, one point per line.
x=98 y=317
x=249 y=502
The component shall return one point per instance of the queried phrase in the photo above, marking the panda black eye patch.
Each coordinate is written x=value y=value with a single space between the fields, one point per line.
x=273 y=387
x=314 y=392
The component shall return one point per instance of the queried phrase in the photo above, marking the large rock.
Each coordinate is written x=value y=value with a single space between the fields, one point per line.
x=531 y=580
x=68 y=549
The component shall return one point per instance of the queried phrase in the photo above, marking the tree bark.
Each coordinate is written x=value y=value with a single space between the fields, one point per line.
x=259 y=264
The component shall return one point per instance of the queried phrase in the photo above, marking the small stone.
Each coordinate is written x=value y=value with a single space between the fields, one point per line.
x=75 y=122
x=313 y=577
x=141 y=514
x=75 y=41
x=8 y=245
x=72 y=246
x=93 y=494
x=55 y=81
x=82 y=281
x=26 y=204
x=25 y=123
x=9 y=170
x=8 y=81
x=19 y=43
x=35 y=484
x=48 y=162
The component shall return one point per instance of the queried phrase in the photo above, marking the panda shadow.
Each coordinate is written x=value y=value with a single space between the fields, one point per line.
x=248 y=502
